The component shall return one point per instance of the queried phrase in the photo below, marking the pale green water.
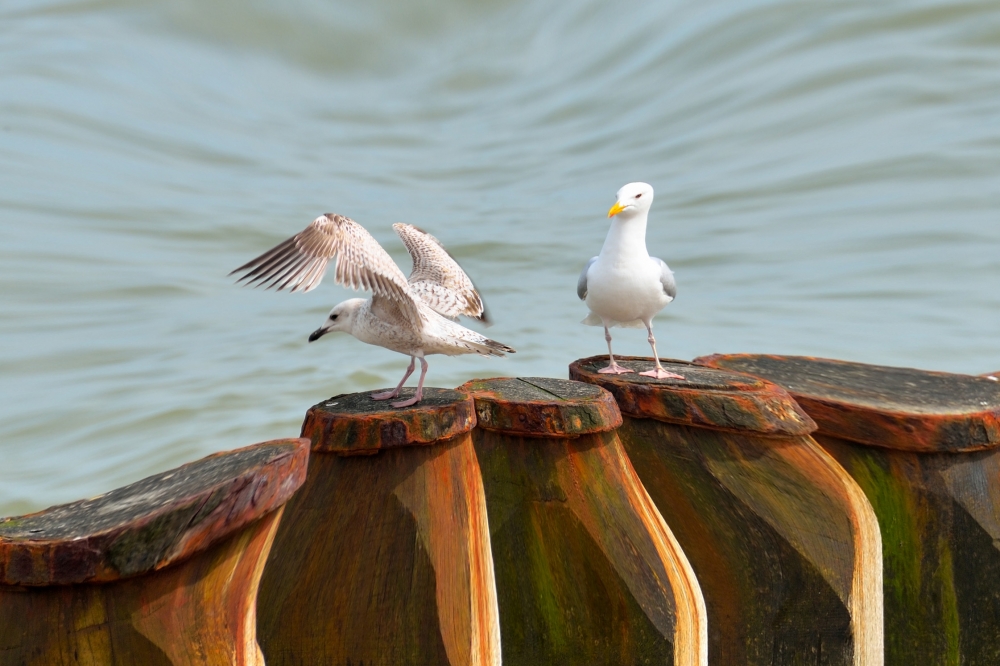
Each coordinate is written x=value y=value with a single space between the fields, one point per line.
x=827 y=178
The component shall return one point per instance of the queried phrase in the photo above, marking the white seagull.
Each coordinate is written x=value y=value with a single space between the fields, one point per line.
x=623 y=285
x=413 y=317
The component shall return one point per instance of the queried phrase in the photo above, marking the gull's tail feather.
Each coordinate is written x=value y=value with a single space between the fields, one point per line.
x=480 y=344
x=484 y=346
x=494 y=348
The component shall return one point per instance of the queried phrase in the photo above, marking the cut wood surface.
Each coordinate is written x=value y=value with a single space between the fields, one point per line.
x=713 y=399
x=355 y=424
x=587 y=570
x=899 y=408
x=384 y=558
x=785 y=546
x=939 y=511
x=163 y=571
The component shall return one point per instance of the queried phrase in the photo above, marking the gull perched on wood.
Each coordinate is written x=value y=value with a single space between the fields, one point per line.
x=413 y=317
x=623 y=285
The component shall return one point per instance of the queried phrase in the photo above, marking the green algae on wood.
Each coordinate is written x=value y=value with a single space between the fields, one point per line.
x=355 y=424
x=919 y=444
x=783 y=542
x=384 y=558
x=163 y=571
x=706 y=398
x=541 y=407
x=587 y=571
x=899 y=408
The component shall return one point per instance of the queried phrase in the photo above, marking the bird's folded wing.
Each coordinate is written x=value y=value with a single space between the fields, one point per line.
x=299 y=263
x=581 y=283
x=437 y=279
x=666 y=278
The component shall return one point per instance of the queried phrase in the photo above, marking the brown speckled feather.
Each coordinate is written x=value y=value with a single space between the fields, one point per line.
x=299 y=263
x=437 y=279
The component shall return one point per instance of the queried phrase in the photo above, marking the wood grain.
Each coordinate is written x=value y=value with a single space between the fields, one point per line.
x=937 y=497
x=899 y=408
x=783 y=542
x=182 y=591
x=587 y=570
x=384 y=558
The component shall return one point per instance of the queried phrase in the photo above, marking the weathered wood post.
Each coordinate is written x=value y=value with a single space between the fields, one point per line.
x=161 y=572
x=924 y=448
x=587 y=571
x=384 y=556
x=783 y=542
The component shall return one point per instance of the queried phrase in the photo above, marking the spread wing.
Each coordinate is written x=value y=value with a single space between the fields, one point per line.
x=299 y=263
x=581 y=283
x=667 y=279
x=437 y=279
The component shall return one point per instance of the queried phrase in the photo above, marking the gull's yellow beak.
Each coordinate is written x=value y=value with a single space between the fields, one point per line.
x=617 y=208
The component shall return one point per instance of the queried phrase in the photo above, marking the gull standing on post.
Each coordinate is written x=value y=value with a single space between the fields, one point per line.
x=623 y=285
x=413 y=317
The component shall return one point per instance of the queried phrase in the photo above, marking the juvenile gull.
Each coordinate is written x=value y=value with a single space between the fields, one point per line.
x=623 y=285
x=413 y=317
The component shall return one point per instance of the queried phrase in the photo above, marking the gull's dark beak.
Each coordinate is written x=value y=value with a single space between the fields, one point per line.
x=317 y=334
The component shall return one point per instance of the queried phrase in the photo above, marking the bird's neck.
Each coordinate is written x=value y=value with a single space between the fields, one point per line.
x=626 y=238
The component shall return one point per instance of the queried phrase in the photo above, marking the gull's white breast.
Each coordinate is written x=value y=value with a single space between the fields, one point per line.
x=625 y=291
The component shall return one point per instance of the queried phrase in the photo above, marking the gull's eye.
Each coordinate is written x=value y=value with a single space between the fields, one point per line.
x=638 y=195
x=333 y=317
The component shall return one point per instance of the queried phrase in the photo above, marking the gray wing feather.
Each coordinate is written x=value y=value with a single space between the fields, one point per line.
x=581 y=284
x=667 y=279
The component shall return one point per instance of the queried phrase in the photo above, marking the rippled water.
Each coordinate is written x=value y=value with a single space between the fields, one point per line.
x=827 y=182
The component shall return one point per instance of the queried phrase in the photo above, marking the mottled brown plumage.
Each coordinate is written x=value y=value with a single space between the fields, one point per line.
x=414 y=317
x=299 y=264
x=437 y=279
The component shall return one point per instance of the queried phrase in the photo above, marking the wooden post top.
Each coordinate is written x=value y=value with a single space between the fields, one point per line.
x=353 y=423
x=897 y=408
x=542 y=407
x=154 y=522
x=705 y=397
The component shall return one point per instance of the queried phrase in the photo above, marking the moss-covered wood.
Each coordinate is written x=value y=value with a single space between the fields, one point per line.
x=899 y=408
x=587 y=571
x=708 y=398
x=541 y=406
x=161 y=572
x=783 y=542
x=384 y=558
x=938 y=509
x=353 y=423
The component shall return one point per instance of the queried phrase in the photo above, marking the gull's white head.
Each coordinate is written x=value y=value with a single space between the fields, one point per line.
x=341 y=318
x=633 y=199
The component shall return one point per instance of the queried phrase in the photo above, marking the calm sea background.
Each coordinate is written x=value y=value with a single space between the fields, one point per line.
x=827 y=182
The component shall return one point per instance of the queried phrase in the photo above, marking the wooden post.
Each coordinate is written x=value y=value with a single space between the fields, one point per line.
x=587 y=570
x=783 y=542
x=384 y=556
x=925 y=448
x=161 y=572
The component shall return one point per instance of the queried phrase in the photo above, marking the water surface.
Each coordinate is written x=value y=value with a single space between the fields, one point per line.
x=827 y=183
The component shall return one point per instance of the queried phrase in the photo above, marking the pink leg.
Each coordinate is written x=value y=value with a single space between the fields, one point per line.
x=385 y=395
x=420 y=387
x=658 y=372
x=613 y=368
